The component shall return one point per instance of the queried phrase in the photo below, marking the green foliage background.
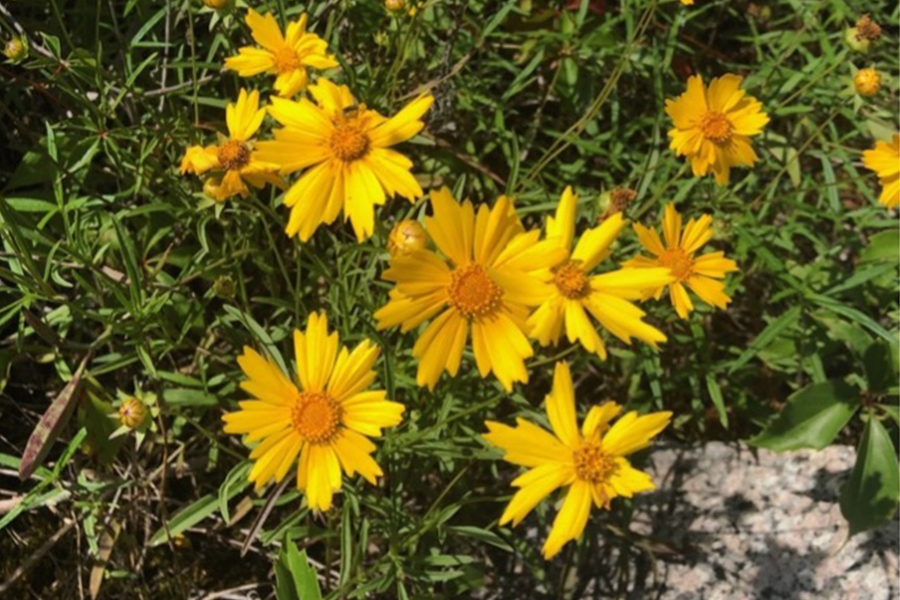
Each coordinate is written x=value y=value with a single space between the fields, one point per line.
x=109 y=253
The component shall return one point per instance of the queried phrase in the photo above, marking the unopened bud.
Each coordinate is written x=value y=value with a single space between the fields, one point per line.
x=406 y=236
x=132 y=413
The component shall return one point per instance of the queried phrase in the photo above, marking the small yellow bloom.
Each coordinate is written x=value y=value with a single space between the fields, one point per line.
x=867 y=82
x=345 y=149
x=590 y=461
x=884 y=159
x=702 y=274
x=286 y=56
x=406 y=236
x=487 y=275
x=713 y=126
x=131 y=413
x=326 y=421
x=235 y=160
x=687 y=2
x=576 y=293
x=394 y=5
x=15 y=49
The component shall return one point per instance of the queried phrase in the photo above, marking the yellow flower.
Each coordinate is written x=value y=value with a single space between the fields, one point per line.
x=490 y=273
x=884 y=159
x=234 y=160
x=285 y=56
x=713 y=126
x=687 y=2
x=325 y=421
x=345 y=149
x=867 y=82
x=575 y=292
x=591 y=462
x=703 y=274
x=406 y=236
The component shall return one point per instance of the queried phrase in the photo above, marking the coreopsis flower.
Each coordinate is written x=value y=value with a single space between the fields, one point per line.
x=867 y=82
x=575 y=293
x=285 y=56
x=325 y=418
x=406 y=236
x=345 y=149
x=590 y=461
x=702 y=274
x=485 y=275
x=713 y=126
x=884 y=159
x=235 y=161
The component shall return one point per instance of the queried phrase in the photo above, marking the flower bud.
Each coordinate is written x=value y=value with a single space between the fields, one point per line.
x=406 y=236
x=394 y=6
x=224 y=287
x=16 y=49
x=132 y=413
x=867 y=82
x=215 y=4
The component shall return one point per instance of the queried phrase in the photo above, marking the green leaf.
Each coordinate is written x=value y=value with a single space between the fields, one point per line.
x=715 y=394
x=879 y=364
x=883 y=247
x=870 y=497
x=811 y=418
x=188 y=517
x=306 y=584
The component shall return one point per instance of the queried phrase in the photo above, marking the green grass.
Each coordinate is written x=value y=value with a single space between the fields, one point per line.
x=109 y=253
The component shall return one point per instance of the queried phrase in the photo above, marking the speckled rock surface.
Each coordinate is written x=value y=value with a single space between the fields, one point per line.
x=755 y=524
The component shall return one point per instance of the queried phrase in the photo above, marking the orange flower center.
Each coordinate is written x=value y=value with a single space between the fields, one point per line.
x=680 y=263
x=349 y=141
x=233 y=155
x=472 y=292
x=716 y=127
x=571 y=280
x=316 y=416
x=286 y=60
x=592 y=464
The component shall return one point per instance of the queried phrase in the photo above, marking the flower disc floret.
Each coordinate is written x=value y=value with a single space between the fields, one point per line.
x=316 y=416
x=472 y=291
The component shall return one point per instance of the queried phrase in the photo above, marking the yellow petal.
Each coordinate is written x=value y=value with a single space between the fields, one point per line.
x=543 y=481
x=632 y=432
x=403 y=125
x=594 y=244
x=561 y=406
x=265 y=30
x=571 y=519
x=561 y=227
x=527 y=444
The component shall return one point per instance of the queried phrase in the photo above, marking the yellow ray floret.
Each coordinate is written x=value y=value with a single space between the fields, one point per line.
x=234 y=162
x=285 y=56
x=576 y=293
x=325 y=418
x=589 y=461
x=487 y=274
x=345 y=149
x=884 y=159
x=702 y=274
x=713 y=126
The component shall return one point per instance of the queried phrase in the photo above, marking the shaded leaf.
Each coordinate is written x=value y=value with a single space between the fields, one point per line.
x=870 y=497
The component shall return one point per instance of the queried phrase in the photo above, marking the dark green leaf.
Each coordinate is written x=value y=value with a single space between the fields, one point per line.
x=811 y=418
x=870 y=496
